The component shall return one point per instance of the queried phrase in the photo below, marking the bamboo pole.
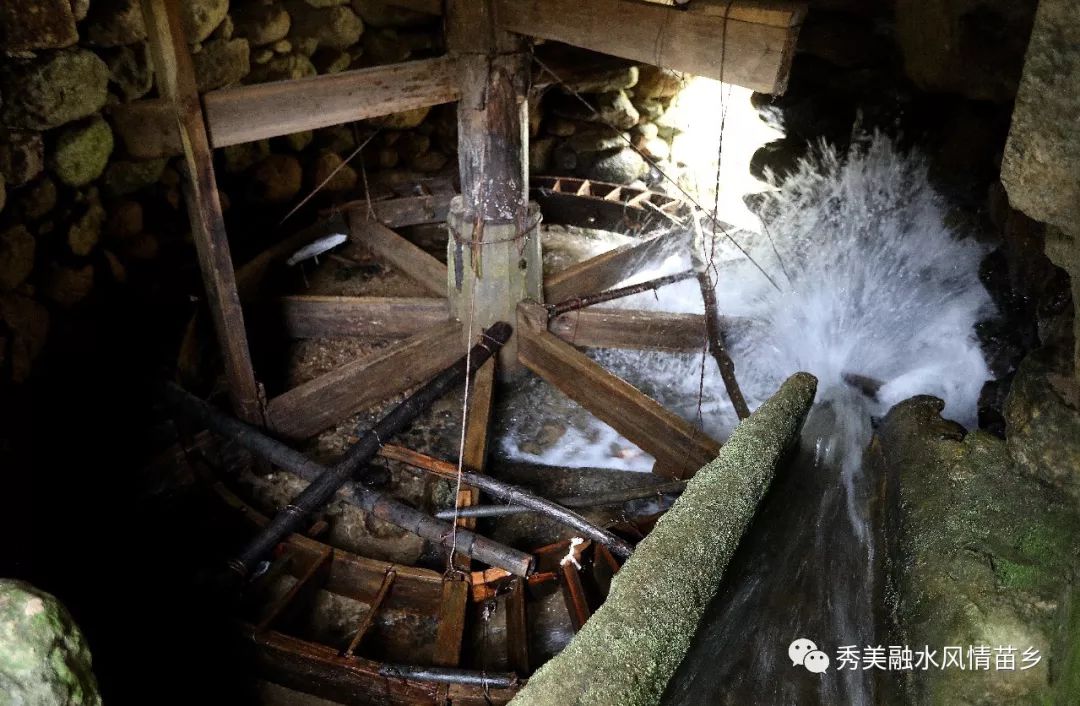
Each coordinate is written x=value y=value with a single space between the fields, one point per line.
x=511 y=493
x=572 y=501
x=580 y=302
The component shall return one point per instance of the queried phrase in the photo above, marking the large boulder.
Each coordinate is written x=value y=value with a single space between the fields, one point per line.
x=146 y=129
x=81 y=152
x=53 y=89
x=114 y=23
x=1042 y=421
x=971 y=47
x=44 y=658
x=981 y=555
x=27 y=25
x=622 y=166
x=127 y=176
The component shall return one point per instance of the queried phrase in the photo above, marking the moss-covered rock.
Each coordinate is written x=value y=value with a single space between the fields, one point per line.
x=124 y=177
x=82 y=151
x=631 y=646
x=1042 y=420
x=131 y=70
x=277 y=178
x=221 y=62
x=114 y=23
x=17 y=247
x=53 y=89
x=22 y=156
x=262 y=23
x=331 y=27
x=28 y=322
x=201 y=17
x=980 y=554
x=44 y=658
x=380 y=14
x=27 y=25
x=85 y=231
x=330 y=173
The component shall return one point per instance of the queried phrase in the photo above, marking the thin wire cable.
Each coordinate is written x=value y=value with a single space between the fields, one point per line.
x=712 y=216
x=330 y=176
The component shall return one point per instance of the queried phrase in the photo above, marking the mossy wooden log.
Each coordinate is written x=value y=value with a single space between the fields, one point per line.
x=628 y=650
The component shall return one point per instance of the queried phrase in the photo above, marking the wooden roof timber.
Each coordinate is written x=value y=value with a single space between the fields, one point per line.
x=746 y=42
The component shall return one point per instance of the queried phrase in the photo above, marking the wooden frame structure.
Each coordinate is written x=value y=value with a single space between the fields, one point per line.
x=488 y=70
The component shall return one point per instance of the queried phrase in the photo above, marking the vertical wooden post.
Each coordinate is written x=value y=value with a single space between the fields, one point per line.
x=176 y=83
x=494 y=250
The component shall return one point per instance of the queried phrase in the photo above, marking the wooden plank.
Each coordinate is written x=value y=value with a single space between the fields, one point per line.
x=574 y=594
x=605 y=270
x=399 y=252
x=298 y=599
x=451 y=630
x=263 y=110
x=751 y=47
x=680 y=448
x=633 y=328
x=517 y=628
x=407 y=211
x=176 y=83
x=323 y=402
x=368 y=317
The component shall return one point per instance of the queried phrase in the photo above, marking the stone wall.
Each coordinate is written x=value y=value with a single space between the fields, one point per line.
x=87 y=202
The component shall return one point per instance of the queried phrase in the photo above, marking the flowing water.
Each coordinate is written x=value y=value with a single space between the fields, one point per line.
x=871 y=282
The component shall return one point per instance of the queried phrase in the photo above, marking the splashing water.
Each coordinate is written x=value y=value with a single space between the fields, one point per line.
x=872 y=283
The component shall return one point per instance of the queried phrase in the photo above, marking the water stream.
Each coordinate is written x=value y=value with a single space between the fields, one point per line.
x=872 y=282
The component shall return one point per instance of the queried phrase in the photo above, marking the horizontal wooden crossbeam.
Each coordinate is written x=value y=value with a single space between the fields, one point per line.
x=366 y=317
x=607 y=269
x=746 y=42
x=679 y=448
x=390 y=247
x=323 y=402
x=405 y=211
x=246 y=113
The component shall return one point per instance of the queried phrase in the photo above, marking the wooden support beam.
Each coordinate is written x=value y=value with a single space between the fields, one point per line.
x=258 y=111
x=176 y=83
x=263 y=110
x=607 y=269
x=679 y=448
x=517 y=628
x=478 y=431
x=366 y=317
x=373 y=609
x=323 y=402
x=631 y=328
x=746 y=42
x=399 y=252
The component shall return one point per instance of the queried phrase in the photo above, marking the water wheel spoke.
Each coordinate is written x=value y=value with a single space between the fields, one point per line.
x=679 y=448
x=392 y=248
x=363 y=317
x=323 y=402
x=607 y=269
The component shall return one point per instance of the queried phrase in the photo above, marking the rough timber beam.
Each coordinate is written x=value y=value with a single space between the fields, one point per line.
x=323 y=402
x=752 y=46
x=679 y=448
x=176 y=82
x=399 y=252
x=246 y=113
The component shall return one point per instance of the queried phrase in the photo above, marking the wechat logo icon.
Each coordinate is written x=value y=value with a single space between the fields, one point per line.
x=804 y=652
